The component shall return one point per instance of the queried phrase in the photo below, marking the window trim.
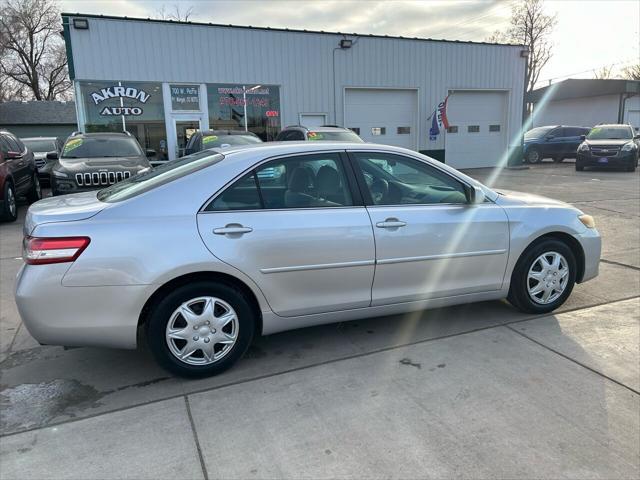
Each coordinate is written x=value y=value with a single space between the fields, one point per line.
x=366 y=194
x=356 y=196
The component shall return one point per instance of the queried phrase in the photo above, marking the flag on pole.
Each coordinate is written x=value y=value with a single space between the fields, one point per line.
x=439 y=120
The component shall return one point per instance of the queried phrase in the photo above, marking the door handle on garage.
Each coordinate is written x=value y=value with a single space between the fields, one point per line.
x=391 y=223
x=231 y=229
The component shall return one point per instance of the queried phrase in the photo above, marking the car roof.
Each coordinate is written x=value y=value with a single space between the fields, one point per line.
x=226 y=132
x=101 y=135
x=317 y=129
x=612 y=125
x=39 y=138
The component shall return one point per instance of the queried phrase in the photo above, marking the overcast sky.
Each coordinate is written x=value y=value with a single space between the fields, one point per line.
x=589 y=34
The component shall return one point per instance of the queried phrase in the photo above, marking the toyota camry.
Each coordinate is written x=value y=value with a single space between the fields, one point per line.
x=203 y=253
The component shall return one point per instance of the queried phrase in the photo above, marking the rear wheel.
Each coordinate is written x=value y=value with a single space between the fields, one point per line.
x=543 y=277
x=558 y=159
x=10 y=207
x=201 y=329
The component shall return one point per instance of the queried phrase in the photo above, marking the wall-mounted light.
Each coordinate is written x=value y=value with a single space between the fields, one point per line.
x=81 y=23
x=346 y=43
x=524 y=53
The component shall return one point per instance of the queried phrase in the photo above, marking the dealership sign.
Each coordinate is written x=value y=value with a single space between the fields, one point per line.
x=120 y=91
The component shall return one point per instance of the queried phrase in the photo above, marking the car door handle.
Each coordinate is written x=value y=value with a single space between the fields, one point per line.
x=391 y=223
x=232 y=229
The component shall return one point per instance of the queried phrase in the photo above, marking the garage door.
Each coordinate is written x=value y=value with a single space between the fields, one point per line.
x=477 y=135
x=383 y=116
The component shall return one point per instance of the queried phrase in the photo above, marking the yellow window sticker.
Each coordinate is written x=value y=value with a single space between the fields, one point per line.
x=209 y=139
x=72 y=144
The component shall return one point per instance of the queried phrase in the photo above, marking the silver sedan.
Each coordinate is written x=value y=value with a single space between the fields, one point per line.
x=201 y=254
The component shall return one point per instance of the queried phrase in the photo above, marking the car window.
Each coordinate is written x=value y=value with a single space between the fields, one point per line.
x=13 y=143
x=293 y=135
x=538 y=132
x=4 y=145
x=304 y=181
x=346 y=136
x=398 y=180
x=242 y=195
x=615 y=132
x=40 y=145
x=217 y=141
x=93 y=147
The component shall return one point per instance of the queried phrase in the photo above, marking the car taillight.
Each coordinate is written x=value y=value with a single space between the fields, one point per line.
x=40 y=251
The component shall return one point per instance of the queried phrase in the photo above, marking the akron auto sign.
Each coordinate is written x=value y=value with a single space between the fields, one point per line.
x=120 y=92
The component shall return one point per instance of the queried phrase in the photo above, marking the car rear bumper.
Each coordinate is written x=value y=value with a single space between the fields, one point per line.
x=592 y=247
x=105 y=316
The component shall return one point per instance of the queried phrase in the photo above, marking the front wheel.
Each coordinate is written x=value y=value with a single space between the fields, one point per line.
x=543 y=277
x=579 y=167
x=201 y=329
x=533 y=155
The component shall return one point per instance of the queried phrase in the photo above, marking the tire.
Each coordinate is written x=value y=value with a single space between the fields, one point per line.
x=533 y=156
x=632 y=166
x=558 y=159
x=35 y=192
x=194 y=297
x=9 y=205
x=529 y=262
x=579 y=167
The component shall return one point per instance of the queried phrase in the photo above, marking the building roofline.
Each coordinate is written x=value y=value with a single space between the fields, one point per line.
x=585 y=87
x=290 y=30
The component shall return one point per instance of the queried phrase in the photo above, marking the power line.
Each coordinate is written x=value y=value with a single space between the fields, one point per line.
x=587 y=71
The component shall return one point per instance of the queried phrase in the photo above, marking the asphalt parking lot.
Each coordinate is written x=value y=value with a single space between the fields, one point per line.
x=472 y=391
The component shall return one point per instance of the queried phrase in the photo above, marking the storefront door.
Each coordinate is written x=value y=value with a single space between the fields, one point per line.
x=184 y=130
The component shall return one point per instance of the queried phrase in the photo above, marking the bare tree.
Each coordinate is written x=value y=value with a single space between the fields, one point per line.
x=603 y=72
x=175 y=14
x=32 y=53
x=632 y=72
x=532 y=27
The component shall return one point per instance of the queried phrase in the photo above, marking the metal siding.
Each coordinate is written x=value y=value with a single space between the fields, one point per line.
x=301 y=63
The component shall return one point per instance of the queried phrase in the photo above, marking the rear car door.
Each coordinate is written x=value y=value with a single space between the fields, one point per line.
x=430 y=242
x=297 y=227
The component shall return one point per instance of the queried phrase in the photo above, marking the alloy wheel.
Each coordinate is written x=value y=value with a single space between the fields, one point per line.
x=201 y=331
x=11 y=202
x=547 y=278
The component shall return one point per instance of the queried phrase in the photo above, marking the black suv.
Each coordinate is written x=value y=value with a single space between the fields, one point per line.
x=90 y=161
x=203 y=140
x=324 y=133
x=609 y=146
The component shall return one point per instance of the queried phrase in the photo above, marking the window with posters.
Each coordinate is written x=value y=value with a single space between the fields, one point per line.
x=232 y=106
x=135 y=107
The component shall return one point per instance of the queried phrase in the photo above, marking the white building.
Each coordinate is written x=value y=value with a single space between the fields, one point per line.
x=160 y=80
x=587 y=102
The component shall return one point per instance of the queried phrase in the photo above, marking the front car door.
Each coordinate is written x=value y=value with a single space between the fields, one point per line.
x=17 y=162
x=296 y=225
x=430 y=242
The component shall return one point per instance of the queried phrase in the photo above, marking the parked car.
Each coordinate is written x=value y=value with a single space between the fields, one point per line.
x=41 y=146
x=91 y=161
x=200 y=255
x=324 y=133
x=615 y=146
x=18 y=175
x=202 y=140
x=557 y=142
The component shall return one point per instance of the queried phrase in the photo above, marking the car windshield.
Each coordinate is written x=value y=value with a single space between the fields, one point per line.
x=40 y=144
x=334 y=136
x=94 y=147
x=160 y=175
x=217 y=141
x=610 y=133
x=538 y=132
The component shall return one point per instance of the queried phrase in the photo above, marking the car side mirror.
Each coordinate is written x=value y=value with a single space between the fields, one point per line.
x=151 y=152
x=636 y=137
x=475 y=194
x=52 y=155
x=583 y=137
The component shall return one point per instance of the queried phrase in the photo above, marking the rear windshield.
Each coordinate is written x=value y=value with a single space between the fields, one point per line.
x=40 y=145
x=93 y=147
x=217 y=141
x=160 y=175
x=334 y=136
x=610 y=133
x=538 y=132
